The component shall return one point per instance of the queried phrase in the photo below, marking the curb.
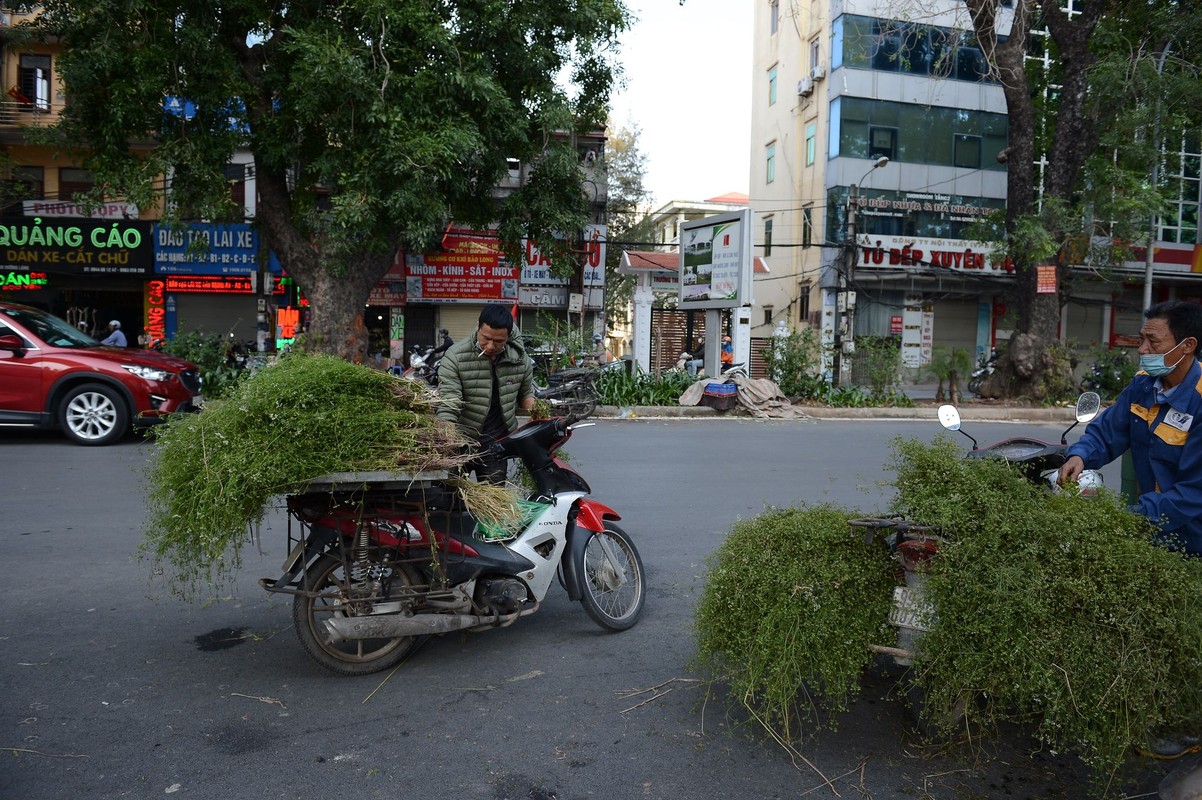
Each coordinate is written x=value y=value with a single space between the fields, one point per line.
x=968 y=413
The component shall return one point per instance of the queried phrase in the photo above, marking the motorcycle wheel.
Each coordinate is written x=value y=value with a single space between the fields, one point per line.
x=613 y=583
x=583 y=404
x=352 y=657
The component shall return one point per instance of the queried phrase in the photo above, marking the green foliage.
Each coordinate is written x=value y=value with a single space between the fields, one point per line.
x=1112 y=370
x=209 y=352
x=620 y=388
x=554 y=344
x=1054 y=611
x=792 y=602
x=288 y=423
x=878 y=359
x=794 y=362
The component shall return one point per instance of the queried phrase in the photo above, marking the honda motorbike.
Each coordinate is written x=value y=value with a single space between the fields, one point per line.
x=423 y=365
x=984 y=370
x=379 y=561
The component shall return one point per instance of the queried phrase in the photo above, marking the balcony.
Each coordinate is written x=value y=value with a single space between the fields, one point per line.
x=22 y=114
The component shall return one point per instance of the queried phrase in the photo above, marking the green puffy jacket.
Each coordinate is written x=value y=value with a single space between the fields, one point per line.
x=465 y=384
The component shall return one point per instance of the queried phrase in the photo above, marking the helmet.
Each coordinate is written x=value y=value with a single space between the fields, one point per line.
x=116 y=323
x=597 y=337
x=726 y=338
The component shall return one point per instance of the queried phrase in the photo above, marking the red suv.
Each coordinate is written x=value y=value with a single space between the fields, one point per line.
x=52 y=375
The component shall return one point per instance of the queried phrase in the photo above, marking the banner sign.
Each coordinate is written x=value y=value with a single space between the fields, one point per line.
x=231 y=250
x=154 y=311
x=1045 y=279
x=958 y=255
x=78 y=246
x=715 y=261
x=536 y=265
x=556 y=297
x=468 y=269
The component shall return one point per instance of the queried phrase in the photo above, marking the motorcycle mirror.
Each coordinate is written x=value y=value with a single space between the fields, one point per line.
x=949 y=417
x=1089 y=404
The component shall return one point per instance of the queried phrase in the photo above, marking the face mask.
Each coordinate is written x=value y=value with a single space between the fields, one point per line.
x=1154 y=365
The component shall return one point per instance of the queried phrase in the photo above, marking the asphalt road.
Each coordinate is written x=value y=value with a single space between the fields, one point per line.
x=113 y=689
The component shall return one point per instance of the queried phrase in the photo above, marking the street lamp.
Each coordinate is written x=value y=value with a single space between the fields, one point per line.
x=848 y=341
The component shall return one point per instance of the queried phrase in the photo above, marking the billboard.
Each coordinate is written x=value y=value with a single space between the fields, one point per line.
x=536 y=265
x=715 y=261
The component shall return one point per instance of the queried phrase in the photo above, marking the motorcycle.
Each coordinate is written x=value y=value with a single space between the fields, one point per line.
x=423 y=365
x=984 y=370
x=382 y=560
x=912 y=545
x=570 y=391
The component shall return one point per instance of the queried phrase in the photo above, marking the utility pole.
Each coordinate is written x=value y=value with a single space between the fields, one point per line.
x=846 y=342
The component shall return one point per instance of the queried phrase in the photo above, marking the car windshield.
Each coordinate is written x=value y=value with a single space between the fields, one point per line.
x=50 y=329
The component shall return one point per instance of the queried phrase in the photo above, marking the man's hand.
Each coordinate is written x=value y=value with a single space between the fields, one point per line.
x=1071 y=470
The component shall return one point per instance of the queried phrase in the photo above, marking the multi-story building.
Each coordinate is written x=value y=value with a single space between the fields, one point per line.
x=882 y=103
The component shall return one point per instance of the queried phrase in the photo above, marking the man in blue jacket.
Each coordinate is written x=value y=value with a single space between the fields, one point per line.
x=1159 y=418
x=1154 y=417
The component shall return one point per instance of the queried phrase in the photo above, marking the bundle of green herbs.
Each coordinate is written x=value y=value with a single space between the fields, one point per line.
x=793 y=600
x=1056 y=611
x=294 y=421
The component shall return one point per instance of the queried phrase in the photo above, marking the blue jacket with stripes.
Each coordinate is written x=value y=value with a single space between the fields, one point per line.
x=1167 y=458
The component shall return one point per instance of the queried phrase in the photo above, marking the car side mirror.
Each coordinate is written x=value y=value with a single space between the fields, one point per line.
x=12 y=342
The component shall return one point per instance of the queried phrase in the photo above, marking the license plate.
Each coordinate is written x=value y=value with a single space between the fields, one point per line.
x=911 y=609
x=294 y=557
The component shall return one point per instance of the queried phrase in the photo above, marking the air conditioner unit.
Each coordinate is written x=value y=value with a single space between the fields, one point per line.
x=805 y=87
x=818 y=72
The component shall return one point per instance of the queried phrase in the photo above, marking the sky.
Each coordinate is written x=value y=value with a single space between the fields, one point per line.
x=688 y=89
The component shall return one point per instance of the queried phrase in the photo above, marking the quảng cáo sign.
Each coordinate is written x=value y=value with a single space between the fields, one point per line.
x=78 y=246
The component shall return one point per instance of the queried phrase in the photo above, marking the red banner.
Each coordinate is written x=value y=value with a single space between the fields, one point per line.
x=468 y=269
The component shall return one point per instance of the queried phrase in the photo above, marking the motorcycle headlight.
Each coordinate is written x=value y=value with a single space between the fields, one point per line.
x=147 y=373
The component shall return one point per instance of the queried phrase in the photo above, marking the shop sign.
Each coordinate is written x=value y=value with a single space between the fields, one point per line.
x=556 y=297
x=78 y=246
x=207 y=249
x=154 y=307
x=536 y=264
x=212 y=284
x=959 y=255
x=60 y=208
x=467 y=269
x=387 y=294
x=1045 y=279
x=286 y=322
x=12 y=281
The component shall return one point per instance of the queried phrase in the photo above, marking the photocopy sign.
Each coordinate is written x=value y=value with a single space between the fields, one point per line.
x=715 y=261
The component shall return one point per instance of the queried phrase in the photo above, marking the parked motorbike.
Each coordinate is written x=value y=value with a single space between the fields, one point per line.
x=380 y=561
x=983 y=371
x=423 y=365
x=570 y=391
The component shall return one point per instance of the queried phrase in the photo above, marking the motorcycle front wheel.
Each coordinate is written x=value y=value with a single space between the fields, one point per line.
x=613 y=583
x=583 y=404
x=327 y=578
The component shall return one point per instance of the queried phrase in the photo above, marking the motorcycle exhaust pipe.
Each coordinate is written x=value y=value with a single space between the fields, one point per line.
x=393 y=626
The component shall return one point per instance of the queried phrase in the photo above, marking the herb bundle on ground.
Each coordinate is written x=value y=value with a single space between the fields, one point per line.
x=294 y=421
x=1055 y=611
x=793 y=600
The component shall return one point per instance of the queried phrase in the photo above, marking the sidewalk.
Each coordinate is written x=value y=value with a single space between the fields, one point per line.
x=971 y=409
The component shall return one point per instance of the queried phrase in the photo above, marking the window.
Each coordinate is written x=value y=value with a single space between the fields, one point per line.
x=967 y=151
x=803 y=302
x=235 y=176
x=767 y=315
x=774 y=15
x=73 y=181
x=770 y=163
x=807 y=227
x=815 y=55
x=772 y=86
x=29 y=182
x=882 y=142
x=767 y=237
x=811 y=143
x=34 y=83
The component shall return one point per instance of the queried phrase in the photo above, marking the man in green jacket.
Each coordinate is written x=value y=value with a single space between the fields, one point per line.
x=482 y=381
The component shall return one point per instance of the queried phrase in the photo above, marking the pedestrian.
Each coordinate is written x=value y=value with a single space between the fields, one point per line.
x=482 y=382
x=115 y=338
x=728 y=351
x=1154 y=418
x=447 y=341
x=696 y=356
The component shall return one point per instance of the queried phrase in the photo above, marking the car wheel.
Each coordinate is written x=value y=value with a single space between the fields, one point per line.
x=93 y=414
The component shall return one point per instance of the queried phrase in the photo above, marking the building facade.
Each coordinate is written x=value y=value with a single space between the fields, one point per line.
x=878 y=141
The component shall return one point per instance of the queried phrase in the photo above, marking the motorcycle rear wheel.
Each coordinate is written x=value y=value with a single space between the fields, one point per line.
x=614 y=585
x=583 y=405
x=353 y=657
